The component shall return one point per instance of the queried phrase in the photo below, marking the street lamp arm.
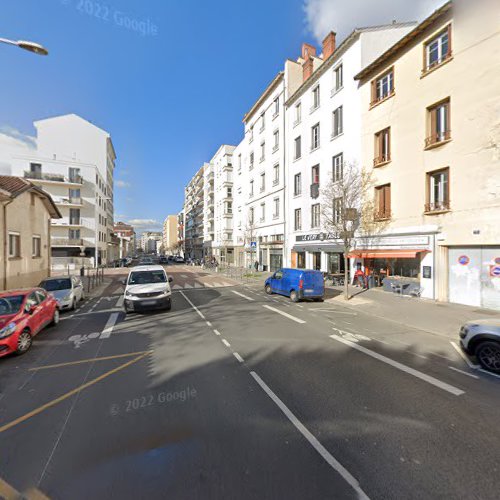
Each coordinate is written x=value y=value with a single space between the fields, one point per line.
x=36 y=48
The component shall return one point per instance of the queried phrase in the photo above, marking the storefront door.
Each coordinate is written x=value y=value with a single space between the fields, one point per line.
x=317 y=261
x=276 y=262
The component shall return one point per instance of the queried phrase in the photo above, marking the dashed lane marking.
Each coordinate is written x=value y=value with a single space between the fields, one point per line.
x=462 y=372
x=225 y=342
x=242 y=295
x=202 y=316
x=238 y=357
x=286 y=315
x=216 y=332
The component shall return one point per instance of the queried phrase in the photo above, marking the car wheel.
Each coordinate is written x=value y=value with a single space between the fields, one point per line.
x=24 y=342
x=294 y=296
x=269 y=290
x=55 y=317
x=169 y=305
x=73 y=305
x=488 y=355
x=318 y=300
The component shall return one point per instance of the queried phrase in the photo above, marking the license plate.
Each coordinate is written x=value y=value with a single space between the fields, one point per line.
x=148 y=302
x=310 y=290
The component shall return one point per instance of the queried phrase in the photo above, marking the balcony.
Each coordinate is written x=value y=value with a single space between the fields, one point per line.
x=437 y=139
x=210 y=177
x=75 y=222
x=70 y=242
x=315 y=190
x=381 y=160
x=437 y=207
x=73 y=202
x=54 y=178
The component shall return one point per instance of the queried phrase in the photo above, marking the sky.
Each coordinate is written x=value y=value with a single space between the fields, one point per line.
x=169 y=80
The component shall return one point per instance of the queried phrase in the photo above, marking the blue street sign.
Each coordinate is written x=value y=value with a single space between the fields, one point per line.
x=253 y=244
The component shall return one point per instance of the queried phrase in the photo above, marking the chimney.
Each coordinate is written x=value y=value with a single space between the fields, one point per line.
x=308 y=51
x=307 y=69
x=328 y=45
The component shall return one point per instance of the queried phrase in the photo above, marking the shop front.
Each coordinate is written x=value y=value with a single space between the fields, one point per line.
x=321 y=252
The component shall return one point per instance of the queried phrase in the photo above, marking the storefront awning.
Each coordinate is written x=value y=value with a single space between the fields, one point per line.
x=386 y=254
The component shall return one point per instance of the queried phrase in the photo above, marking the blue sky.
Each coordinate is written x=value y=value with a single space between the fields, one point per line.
x=170 y=95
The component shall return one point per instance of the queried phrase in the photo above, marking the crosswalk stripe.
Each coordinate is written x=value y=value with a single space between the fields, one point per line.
x=176 y=287
x=187 y=285
x=198 y=285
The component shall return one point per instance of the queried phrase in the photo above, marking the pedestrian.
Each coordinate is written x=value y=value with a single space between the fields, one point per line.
x=256 y=265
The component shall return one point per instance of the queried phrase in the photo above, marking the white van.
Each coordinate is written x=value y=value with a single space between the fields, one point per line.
x=147 y=287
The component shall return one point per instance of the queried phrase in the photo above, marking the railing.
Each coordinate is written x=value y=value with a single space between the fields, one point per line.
x=437 y=206
x=437 y=138
x=436 y=63
x=68 y=201
x=70 y=242
x=77 y=179
x=379 y=160
x=380 y=215
x=383 y=97
x=315 y=190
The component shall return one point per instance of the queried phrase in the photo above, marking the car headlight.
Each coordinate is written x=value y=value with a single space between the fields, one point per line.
x=7 y=330
x=68 y=297
x=129 y=294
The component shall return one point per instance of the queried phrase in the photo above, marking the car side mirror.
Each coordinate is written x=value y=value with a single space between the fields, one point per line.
x=170 y=279
x=30 y=309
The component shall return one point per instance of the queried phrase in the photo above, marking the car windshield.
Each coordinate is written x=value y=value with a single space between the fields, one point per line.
x=10 y=305
x=56 y=284
x=146 y=277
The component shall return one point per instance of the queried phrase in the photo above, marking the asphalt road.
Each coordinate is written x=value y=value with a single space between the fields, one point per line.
x=236 y=394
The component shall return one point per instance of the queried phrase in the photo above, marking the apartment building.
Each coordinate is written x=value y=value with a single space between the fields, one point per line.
x=151 y=241
x=194 y=194
x=26 y=213
x=323 y=133
x=180 y=233
x=169 y=238
x=74 y=162
x=432 y=141
x=126 y=239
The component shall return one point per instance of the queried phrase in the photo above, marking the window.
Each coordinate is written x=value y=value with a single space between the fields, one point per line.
x=383 y=202
x=297 y=185
x=262 y=122
x=74 y=234
x=251 y=134
x=14 y=245
x=262 y=151
x=251 y=188
x=438 y=191
x=276 y=175
x=438 y=122
x=74 y=195
x=74 y=175
x=228 y=208
x=251 y=160
x=36 y=170
x=315 y=216
x=338 y=167
x=298 y=219
x=262 y=212
x=36 y=246
x=315 y=174
x=338 y=78
x=383 y=87
x=301 y=260
x=382 y=147
x=298 y=114
x=229 y=192
x=437 y=50
x=276 y=208
x=262 y=182
x=315 y=98
x=276 y=106
x=276 y=136
x=298 y=148
x=239 y=162
x=315 y=137
x=338 y=122
x=74 y=216
x=251 y=218
x=337 y=210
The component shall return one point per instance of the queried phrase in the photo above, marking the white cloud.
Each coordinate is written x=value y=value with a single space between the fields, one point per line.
x=12 y=143
x=323 y=16
x=122 y=184
x=144 y=223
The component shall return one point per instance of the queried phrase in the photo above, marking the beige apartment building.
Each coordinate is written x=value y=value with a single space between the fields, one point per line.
x=170 y=238
x=431 y=136
x=25 y=226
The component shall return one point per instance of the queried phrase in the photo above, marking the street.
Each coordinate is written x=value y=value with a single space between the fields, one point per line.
x=238 y=394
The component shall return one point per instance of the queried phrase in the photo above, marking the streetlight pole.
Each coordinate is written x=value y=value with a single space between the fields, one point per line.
x=36 y=48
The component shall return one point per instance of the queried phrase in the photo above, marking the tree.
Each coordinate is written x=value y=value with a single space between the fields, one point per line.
x=348 y=210
x=249 y=236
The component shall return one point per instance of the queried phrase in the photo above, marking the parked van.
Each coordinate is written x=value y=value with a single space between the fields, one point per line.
x=297 y=284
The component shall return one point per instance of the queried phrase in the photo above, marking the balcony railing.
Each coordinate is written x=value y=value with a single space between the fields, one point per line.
x=380 y=215
x=437 y=138
x=437 y=206
x=41 y=176
x=69 y=242
x=68 y=201
x=315 y=190
x=382 y=159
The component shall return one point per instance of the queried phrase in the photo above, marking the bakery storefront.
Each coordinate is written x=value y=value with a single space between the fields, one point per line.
x=397 y=262
x=321 y=252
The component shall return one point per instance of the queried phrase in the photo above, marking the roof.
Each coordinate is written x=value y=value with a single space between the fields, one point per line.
x=263 y=96
x=11 y=187
x=339 y=51
x=404 y=42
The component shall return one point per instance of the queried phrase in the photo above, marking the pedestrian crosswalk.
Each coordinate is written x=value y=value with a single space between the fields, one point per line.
x=197 y=284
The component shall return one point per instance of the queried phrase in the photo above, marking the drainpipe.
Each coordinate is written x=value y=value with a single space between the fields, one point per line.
x=5 y=243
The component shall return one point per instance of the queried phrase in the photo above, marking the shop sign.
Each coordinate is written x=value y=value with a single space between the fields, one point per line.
x=463 y=260
x=427 y=272
x=409 y=241
x=316 y=237
x=495 y=271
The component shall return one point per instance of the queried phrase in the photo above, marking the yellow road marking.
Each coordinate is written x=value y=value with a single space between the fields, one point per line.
x=34 y=494
x=40 y=409
x=7 y=491
x=104 y=358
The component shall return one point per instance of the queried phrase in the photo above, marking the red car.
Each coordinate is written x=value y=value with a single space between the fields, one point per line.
x=24 y=313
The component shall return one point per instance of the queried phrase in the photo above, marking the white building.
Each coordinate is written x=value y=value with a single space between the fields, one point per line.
x=194 y=194
x=151 y=241
x=323 y=132
x=74 y=162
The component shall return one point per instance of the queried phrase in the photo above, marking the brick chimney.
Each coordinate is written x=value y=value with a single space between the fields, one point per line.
x=328 y=45
x=307 y=69
x=308 y=51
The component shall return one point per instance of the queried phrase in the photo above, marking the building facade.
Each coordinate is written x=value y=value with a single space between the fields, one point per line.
x=26 y=217
x=151 y=241
x=170 y=238
x=126 y=239
x=433 y=145
x=194 y=194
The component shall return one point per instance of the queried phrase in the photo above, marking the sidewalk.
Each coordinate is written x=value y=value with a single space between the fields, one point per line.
x=440 y=318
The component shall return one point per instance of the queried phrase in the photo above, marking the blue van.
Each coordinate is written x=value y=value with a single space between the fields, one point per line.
x=297 y=284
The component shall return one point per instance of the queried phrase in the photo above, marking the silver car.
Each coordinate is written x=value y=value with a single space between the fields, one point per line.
x=481 y=338
x=67 y=290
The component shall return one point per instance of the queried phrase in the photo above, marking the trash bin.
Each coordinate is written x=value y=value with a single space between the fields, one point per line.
x=371 y=282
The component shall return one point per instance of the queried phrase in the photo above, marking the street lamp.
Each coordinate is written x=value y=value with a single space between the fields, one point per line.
x=30 y=46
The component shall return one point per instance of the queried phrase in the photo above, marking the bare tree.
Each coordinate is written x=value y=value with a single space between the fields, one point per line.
x=348 y=210
x=249 y=235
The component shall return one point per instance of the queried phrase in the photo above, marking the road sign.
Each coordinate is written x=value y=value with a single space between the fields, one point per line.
x=463 y=260
x=253 y=244
x=495 y=271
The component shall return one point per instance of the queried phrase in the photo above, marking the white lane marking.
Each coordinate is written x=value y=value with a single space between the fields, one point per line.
x=488 y=373
x=462 y=372
x=462 y=354
x=217 y=284
x=209 y=285
x=176 y=287
x=244 y=296
x=216 y=332
x=119 y=302
x=226 y=343
x=411 y=371
x=289 y=316
x=298 y=305
x=208 y=323
x=193 y=306
x=225 y=283
x=198 y=285
x=184 y=276
x=238 y=357
x=187 y=285
x=108 y=329
x=325 y=454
